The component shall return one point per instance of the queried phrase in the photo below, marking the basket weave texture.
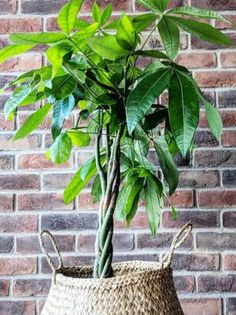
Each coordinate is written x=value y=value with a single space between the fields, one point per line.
x=136 y=288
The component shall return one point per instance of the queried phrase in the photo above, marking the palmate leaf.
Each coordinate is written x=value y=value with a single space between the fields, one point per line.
x=61 y=149
x=142 y=21
x=13 y=50
x=170 y=36
x=63 y=86
x=33 y=122
x=55 y=55
x=37 y=38
x=79 y=138
x=68 y=14
x=214 y=119
x=106 y=14
x=18 y=96
x=155 y=5
x=142 y=97
x=183 y=110
x=125 y=36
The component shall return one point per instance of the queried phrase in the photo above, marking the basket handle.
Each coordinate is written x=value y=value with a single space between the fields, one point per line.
x=178 y=240
x=43 y=247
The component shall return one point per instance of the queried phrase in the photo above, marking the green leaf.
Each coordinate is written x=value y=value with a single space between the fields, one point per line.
x=125 y=35
x=61 y=112
x=170 y=36
x=183 y=110
x=142 y=97
x=106 y=14
x=68 y=14
x=79 y=138
x=174 y=213
x=214 y=119
x=55 y=55
x=96 y=189
x=152 y=5
x=80 y=24
x=152 y=53
x=96 y=12
x=141 y=22
x=18 y=96
x=167 y=164
x=152 y=205
x=197 y=12
x=81 y=179
x=33 y=122
x=61 y=149
x=107 y=47
x=37 y=38
x=63 y=86
x=13 y=50
x=80 y=38
x=203 y=31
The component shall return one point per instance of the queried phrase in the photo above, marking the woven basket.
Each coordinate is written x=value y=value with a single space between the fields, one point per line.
x=137 y=288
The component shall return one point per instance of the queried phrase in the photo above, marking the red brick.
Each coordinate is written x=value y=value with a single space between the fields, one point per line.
x=117 y=5
x=8 y=6
x=227 y=98
x=32 y=142
x=140 y=221
x=25 y=62
x=211 y=158
x=39 y=161
x=17 y=308
x=217 y=198
x=199 y=178
x=19 y=182
x=6 y=203
x=196 y=262
x=86 y=202
x=51 y=24
x=199 y=219
x=204 y=138
x=18 y=223
x=42 y=201
x=20 y=25
x=18 y=266
x=229 y=219
x=6 y=162
x=223 y=25
x=6 y=124
x=228 y=59
x=31 y=287
x=184 y=284
x=56 y=181
x=229 y=138
x=201 y=306
x=215 y=283
x=229 y=118
x=216 y=5
x=212 y=79
x=197 y=60
x=41 y=7
x=229 y=262
x=183 y=199
x=4 y=287
x=216 y=241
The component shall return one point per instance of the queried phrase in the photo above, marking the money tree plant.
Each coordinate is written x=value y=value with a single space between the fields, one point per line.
x=94 y=69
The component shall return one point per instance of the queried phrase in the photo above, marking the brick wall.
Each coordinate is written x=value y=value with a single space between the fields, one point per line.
x=31 y=187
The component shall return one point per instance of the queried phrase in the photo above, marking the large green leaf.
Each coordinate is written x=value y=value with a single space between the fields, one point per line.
x=155 y=5
x=167 y=164
x=79 y=138
x=68 y=14
x=55 y=55
x=63 y=86
x=61 y=149
x=142 y=97
x=107 y=47
x=80 y=38
x=81 y=179
x=18 y=96
x=142 y=21
x=61 y=112
x=37 y=38
x=152 y=204
x=203 y=31
x=13 y=50
x=33 y=122
x=96 y=13
x=214 y=119
x=183 y=110
x=170 y=36
x=197 y=12
x=125 y=36
x=106 y=14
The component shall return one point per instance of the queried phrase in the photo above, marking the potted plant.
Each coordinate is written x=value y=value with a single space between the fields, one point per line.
x=94 y=70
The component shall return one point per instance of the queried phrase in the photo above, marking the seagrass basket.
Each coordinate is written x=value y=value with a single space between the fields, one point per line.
x=137 y=288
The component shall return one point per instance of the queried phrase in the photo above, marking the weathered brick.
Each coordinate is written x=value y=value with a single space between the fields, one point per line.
x=199 y=219
x=229 y=178
x=184 y=284
x=163 y=240
x=117 y=5
x=31 y=287
x=4 y=287
x=217 y=198
x=216 y=241
x=25 y=62
x=229 y=219
x=196 y=262
x=202 y=306
x=218 y=158
x=200 y=44
x=56 y=181
x=121 y=241
x=197 y=179
x=229 y=262
x=227 y=98
x=183 y=199
x=39 y=161
x=19 y=182
x=8 y=26
x=59 y=222
x=6 y=125
x=6 y=244
x=216 y=5
x=18 y=223
x=140 y=221
x=8 y=6
x=17 y=307
x=18 y=266
x=228 y=59
x=229 y=138
x=41 y=7
x=51 y=24
x=212 y=79
x=42 y=201
x=6 y=203
x=85 y=201
x=231 y=306
x=197 y=60
x=31 y=244
x=229 y=118
x=32 y=142
x=215 y=283
x=205 y=139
